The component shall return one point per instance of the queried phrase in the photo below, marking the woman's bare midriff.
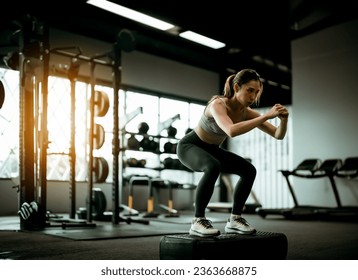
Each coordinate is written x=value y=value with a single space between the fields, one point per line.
x=208 y=138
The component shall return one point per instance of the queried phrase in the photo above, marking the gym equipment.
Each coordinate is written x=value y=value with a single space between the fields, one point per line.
x=32 y=59
x=155 y=184
x=133 y=162
x=171 y=131
x=99 y=203
x=170 y=148
x=133 y=143
x=130 y=116
x=143 y=128
x=72 y=75
x=153 y=145
x=101 y=100
x=100 y=169
x=311 y=169
x=28 y=209
x=99 y=213
x=98 y=136
x=348 y=170
x=167 y=123
x=152 y=183
x=149 y=144
x=165 y=184
x=259 y=246
x=174 y=163
x=126 y=40
x=132 y=180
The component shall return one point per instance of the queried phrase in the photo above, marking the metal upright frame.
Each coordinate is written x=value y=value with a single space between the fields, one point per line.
x=33 y=68
x=34 y=56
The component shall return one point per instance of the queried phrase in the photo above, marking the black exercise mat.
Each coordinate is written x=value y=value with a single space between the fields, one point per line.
x=10 y=223
x=111 y=231
x=160 y=225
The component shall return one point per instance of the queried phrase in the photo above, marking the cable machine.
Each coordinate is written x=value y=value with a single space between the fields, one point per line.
x=34 y=56
x=32 y=59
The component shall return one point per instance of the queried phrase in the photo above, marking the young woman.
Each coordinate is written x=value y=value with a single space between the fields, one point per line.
x=227 y=115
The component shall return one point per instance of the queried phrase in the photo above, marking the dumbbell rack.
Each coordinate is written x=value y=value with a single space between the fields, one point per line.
x=153 y=144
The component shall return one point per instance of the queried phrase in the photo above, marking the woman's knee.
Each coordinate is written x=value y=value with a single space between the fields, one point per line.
x=247 y=172
x=251 y=171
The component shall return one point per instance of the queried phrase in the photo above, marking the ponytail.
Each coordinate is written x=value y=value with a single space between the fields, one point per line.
x=229 y=86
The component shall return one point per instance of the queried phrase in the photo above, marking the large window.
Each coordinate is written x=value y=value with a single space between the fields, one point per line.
x=9 y=125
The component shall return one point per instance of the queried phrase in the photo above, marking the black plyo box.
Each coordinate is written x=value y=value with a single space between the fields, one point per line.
x=259 y=246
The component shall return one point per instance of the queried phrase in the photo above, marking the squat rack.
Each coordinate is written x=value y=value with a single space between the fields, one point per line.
x=34 y=57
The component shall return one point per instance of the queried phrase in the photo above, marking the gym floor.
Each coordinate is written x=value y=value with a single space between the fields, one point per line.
x=308 y=239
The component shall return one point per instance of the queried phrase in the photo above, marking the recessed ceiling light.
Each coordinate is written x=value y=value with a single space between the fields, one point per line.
x=131 y=14
x=203 y=40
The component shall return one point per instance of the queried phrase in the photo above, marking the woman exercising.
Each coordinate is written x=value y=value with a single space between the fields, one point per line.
x=227 y=115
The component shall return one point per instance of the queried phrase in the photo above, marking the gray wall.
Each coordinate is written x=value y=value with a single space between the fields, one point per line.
x=325 y=113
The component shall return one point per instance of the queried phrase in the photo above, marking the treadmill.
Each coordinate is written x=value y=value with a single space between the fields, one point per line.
x=311 y=168
x=348 y=171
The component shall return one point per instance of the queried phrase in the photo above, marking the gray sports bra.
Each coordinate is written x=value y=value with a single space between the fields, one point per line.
x=209 y=124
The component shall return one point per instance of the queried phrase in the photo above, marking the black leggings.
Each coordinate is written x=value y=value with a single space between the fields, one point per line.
x=213 y=160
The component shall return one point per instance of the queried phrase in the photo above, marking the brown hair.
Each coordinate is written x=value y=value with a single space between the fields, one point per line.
x=241 y=78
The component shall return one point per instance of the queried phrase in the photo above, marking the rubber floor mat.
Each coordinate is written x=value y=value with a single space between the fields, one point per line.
x=110 y=231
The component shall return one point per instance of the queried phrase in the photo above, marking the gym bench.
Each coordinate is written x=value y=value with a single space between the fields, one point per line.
x=156 y=183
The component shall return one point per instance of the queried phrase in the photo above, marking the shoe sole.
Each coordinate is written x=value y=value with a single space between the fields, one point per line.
x=236 y=231
x=192 y=232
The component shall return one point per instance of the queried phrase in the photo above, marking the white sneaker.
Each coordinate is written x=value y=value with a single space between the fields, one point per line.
x=237 y=224
x=202 y=227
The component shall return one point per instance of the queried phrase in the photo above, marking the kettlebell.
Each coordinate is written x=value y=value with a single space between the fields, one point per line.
x=171 y=131
x=133 y=143
x=168 y=163
x=132 y=162
x=168 y=147
x=143 y=128
x=145 y=143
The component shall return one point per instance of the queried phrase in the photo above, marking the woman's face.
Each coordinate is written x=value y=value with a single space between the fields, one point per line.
x=249 y=92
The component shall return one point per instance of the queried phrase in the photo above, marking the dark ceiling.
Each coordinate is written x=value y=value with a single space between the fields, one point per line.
x=257 y=33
